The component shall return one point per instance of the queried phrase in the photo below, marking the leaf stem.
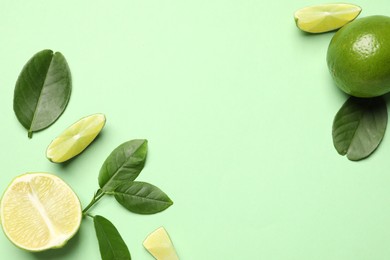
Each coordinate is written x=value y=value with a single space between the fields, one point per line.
x=89 y=215
x=96 y=197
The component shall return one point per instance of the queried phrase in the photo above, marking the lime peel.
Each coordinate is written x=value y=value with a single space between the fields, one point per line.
x=325 y=17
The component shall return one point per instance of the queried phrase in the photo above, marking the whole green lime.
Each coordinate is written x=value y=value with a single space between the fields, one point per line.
x=359 y=57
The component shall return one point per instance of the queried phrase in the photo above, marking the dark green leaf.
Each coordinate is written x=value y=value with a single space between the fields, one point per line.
x=42 y=90
x=359 y=127
x=111 y=244
x=142 y=198
x=123 y=165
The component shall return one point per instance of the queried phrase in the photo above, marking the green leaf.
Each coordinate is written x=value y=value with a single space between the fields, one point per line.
x=42 y=90
x=123 y=165
x=111 y=244
x=142 y=198
x=359 y=127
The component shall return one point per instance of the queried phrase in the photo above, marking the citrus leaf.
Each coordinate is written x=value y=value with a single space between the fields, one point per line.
x=142 y=198
x=111 y=244
x=123 y=164
x=42 y=91
x=359 y=127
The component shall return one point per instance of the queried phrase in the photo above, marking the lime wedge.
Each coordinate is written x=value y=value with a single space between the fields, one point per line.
x=326 y=17
x=39 y=211
x=160 y=245
x=75 y=138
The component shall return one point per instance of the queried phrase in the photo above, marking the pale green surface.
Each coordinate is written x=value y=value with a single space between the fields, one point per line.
x=237 y=105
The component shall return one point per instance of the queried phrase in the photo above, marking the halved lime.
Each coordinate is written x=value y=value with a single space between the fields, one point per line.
x=325 y=17
x=75 y=138
x=160 y=245
x=39 y=211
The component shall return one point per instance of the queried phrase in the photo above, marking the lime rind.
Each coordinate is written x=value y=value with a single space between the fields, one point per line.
x=76 y=138
x=326 y=17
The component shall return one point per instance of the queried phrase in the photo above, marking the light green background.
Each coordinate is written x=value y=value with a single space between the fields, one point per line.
x=237 y=105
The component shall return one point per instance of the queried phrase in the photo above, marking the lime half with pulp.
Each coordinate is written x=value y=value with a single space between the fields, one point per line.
x=39 y=211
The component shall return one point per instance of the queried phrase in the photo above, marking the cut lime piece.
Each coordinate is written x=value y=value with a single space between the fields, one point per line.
x=75 y=138
x=160 y=245
x=326 y=17
x=39 y=211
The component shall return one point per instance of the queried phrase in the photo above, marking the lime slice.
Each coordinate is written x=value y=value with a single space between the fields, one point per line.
x=39 y=211
x=160 y=245
x=75 y=138
x=326 y=17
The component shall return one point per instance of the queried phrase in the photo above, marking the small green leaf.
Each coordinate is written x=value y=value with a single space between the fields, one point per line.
x=123 y=164
x=142 y=198
x=111 y=244
x=42 y=91
x=359 y=127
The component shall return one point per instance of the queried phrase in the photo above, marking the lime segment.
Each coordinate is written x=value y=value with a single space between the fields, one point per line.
x=160 y=245
x=326 y=17
x=39 y=211
x=75 y=138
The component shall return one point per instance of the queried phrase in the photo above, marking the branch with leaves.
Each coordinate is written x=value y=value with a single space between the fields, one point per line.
x=117 y=178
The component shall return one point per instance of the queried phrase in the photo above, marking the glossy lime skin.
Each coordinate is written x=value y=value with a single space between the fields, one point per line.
x=359 y=57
